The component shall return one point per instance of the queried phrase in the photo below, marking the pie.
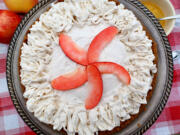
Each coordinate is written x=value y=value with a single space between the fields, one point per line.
x=87 y=67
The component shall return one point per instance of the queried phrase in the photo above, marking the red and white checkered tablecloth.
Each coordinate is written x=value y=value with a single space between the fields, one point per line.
x=168 y=122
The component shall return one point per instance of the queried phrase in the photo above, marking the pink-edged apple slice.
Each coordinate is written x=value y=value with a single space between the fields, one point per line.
x=96 y=86
x=113 y=68
x=70 y=80
x=72 y=51
x=100 y=42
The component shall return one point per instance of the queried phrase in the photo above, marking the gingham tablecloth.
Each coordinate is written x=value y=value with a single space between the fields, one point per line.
x=168 y=122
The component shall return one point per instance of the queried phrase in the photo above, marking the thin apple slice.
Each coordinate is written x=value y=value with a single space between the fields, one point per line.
x=100 y=42
x=96 y=85
x=113 y=68
x=75 y=53
x=71 y=80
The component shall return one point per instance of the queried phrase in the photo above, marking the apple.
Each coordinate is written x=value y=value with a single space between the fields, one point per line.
x=20 y=6
x=8 y=23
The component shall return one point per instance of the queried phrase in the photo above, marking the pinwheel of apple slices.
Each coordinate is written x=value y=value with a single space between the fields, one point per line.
x=93 y=69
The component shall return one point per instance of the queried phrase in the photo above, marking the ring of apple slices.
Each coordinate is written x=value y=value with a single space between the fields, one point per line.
x=90 y=70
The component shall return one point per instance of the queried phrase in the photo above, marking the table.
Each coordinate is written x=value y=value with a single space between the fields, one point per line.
x=168 y=122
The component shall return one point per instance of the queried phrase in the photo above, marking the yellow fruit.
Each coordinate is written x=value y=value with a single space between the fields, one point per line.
x=20 y=6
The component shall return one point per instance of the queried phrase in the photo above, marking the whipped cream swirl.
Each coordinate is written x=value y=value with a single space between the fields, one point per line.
x=42 y=60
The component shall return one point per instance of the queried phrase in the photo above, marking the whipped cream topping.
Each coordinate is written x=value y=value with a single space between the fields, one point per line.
x=42 y=60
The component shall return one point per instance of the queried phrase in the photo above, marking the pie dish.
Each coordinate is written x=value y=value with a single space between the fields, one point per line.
x=139 y=122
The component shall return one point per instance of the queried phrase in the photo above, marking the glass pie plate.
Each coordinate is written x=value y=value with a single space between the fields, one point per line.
x=160 y=93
